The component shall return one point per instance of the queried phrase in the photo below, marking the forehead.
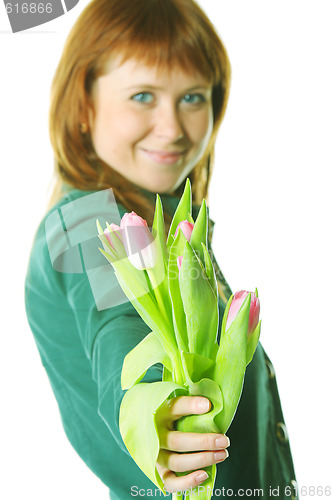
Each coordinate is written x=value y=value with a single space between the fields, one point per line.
x=139 y=71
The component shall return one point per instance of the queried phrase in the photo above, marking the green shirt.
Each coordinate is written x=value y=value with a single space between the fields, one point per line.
x=84 y=326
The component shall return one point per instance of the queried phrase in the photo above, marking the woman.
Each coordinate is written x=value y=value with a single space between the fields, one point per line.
x=137 y=99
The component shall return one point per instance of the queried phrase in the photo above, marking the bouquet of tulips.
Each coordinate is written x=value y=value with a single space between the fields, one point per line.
x=172 y=284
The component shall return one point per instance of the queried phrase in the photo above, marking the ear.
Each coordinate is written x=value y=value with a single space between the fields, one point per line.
x=86 y=122
x=91 y=117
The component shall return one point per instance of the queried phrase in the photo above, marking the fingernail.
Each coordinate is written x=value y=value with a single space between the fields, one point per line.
x=201 y=477
x=204 y=405
x=221 y=455
x=222 y=442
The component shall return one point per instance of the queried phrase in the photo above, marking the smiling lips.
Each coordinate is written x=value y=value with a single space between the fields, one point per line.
x=164 y=157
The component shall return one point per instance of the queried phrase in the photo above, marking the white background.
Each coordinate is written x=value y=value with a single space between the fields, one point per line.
x=270 y=198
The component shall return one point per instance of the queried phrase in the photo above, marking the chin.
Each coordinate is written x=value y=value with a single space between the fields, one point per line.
x=161 y=186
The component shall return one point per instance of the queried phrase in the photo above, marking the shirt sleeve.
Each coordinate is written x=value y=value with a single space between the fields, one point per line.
x=107 y=336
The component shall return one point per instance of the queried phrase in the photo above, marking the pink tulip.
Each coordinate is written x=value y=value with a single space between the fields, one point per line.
x=115 y=228
x=186 y=227
x=138 y=241
x=235 y=306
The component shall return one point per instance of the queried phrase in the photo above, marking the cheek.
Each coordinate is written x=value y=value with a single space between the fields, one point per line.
x=116 y=130
x=201 y=126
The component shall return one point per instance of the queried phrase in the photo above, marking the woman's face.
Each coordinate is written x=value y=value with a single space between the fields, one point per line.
x=151 y=127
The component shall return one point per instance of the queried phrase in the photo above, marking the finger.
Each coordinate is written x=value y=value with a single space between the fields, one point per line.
x=173 y=483
x=188 y=405
x=192 y=441
x=183 y=462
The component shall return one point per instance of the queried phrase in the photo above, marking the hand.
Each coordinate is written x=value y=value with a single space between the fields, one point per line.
x=209 y=448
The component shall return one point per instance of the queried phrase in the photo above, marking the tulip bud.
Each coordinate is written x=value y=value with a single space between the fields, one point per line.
x=237 y=303
x=186 y=227
x=139 y=243
x=117 y=230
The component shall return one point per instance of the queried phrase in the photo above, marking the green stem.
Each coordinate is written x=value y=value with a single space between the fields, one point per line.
x=178 y=371
x=157 y=292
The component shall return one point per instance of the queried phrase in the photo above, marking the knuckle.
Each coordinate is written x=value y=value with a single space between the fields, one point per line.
x=206 y=442
x=211 y=458
x=172 y=440
x=175 y=461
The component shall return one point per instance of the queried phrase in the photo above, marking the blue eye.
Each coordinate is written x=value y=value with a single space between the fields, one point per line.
x=194 y=98
x=144 y=97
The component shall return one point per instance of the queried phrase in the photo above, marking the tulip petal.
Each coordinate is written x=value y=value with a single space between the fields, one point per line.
x=186 y=227
x=138 y=241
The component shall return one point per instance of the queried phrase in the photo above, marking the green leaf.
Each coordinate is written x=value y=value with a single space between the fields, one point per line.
x=133 y=282
x=158 y=279
x=178 y=314
x=111 y=257
x=148 y=309
x=252 y=343
x=200 y=304
x=138 y=426
x=99 y=228
x=200 y=231
x=183 y=209
x=167 y=375
x=225 y=315
x=230 y=365
x=209 y=389
x=146 y=354
x=190 y=218
x=158 y=275
x=158 y=229
x=197 y=366
x=210 y=269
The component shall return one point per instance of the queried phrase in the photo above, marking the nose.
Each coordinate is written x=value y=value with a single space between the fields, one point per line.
x=168 y=123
